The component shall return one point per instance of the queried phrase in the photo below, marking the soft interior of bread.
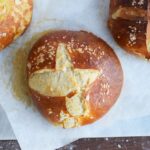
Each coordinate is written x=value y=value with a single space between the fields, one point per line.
x=129 y=13
x=63 y=80
x=67 y=121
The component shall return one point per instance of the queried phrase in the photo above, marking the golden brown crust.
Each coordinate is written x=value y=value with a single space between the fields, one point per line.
x=14 y=20
x=128 y=23
x=86 y=52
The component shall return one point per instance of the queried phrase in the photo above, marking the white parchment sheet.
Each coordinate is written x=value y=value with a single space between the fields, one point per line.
x=130 y=114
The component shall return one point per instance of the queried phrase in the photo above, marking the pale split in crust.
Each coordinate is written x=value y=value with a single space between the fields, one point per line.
x=129 y=24
x=74 y=77
x=15 y=16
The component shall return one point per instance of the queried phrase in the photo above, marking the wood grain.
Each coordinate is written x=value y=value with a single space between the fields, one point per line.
x=125 y=143
x=132 y=143
x=9 y=145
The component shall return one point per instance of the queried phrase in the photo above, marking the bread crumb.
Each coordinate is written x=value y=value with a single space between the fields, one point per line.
x=63 y=116
x=69 y=123
x=50 y=111
x=3 y=35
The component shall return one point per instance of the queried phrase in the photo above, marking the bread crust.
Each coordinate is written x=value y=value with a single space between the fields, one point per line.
x=14 y=19
x=87 y=52
x=128 y=23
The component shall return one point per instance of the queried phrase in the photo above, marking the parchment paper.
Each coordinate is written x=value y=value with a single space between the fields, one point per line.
x=31 y=129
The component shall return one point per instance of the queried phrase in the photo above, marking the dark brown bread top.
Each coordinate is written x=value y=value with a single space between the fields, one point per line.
x=141 y=4
x=85 y=49
x=86 y=52
x=131 y=35
x=129 y=25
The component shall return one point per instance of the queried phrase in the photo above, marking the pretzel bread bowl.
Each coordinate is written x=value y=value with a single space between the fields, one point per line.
x=130 y=25
x=15 y=16
x=74 y=77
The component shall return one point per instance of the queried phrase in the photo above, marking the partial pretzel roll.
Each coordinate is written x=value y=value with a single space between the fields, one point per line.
x=130 y=25
x=15 y=17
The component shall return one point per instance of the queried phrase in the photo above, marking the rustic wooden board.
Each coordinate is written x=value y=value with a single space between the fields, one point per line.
x=132 y=143
x=128 y=143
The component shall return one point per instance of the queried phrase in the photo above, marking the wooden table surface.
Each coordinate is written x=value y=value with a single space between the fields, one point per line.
x=128 y=143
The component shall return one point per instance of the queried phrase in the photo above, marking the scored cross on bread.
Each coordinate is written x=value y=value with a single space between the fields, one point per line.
x=69 y=79
x=74 y=77
x=65 y=81
x=130 y=25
